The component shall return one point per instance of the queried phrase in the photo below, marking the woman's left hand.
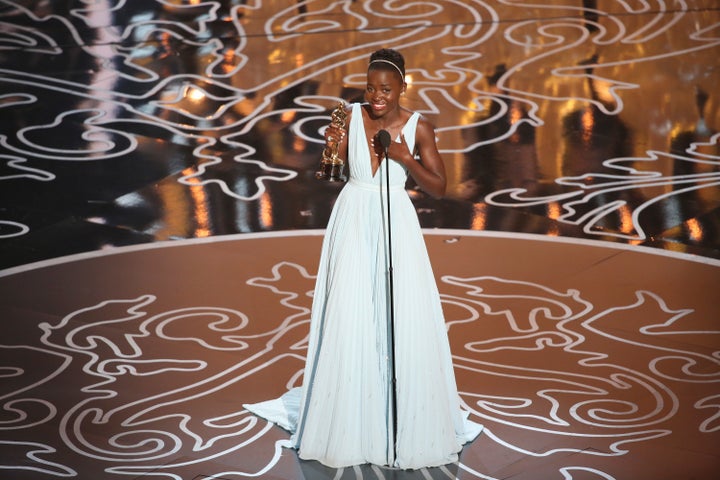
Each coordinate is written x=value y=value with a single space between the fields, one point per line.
x=400 y=151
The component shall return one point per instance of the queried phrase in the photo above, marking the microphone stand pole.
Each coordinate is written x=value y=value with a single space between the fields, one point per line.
x=391 y=320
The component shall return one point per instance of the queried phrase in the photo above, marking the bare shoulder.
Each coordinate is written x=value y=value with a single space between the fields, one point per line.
x=423 y=122
x=425 y=128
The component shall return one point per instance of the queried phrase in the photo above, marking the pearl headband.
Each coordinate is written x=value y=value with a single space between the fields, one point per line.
x=391 y=63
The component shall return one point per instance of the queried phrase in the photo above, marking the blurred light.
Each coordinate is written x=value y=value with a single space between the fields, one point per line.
x=275 y=56
x=299 y=144
x=568 y=107
x=194 y=94
x=603 y=92
x=131 y=200
x=626 y=222
x=694 y=229
x=479 y=217
x=199 y=197
x=228 y=60
x=554 y=210
x=266 y=211
x=299 y=60
x=588 y=124
x=288 y=116
x=176 y=221
x=516 y=113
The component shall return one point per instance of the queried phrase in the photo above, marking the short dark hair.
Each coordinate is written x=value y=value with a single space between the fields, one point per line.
x=383 y=56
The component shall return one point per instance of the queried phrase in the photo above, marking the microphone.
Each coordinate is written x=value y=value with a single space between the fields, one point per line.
x=384 y=138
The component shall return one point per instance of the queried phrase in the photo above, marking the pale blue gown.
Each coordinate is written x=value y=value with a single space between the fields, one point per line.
x=341 y=415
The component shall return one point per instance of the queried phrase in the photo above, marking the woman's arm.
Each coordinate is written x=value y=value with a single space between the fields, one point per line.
x=429 y=173
x=339 y=135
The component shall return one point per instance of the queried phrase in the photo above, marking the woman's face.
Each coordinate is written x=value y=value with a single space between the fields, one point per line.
x=383 y=91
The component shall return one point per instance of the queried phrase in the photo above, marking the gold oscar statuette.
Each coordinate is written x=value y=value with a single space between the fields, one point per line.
x=332 y=166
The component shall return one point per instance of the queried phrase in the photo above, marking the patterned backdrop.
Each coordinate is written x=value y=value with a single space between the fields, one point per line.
x=126 y=123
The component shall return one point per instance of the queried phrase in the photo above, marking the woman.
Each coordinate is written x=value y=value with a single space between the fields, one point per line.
x=343 y=413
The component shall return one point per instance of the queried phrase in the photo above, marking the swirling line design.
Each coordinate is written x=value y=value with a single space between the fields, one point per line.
x=565 y=386
x=137 y=80
x=17 y=229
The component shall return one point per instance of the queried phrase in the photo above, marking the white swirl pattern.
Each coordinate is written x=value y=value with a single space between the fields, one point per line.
x=136 y=83
x=141 y=376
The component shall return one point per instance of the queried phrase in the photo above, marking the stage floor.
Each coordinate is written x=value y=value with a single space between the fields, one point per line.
x=586 y=357
x=160 y=228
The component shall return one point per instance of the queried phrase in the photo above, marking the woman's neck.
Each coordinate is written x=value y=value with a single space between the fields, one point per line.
x=387 y=121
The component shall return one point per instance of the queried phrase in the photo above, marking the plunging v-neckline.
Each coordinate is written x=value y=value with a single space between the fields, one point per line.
x=370 y=154
x=373 y=174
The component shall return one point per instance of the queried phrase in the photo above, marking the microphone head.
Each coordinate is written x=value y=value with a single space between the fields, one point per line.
x=384 y=138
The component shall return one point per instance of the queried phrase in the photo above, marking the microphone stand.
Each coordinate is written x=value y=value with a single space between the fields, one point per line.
x=385 y=140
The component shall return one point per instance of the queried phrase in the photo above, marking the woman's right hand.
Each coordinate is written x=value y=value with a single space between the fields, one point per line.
x=334 y=134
